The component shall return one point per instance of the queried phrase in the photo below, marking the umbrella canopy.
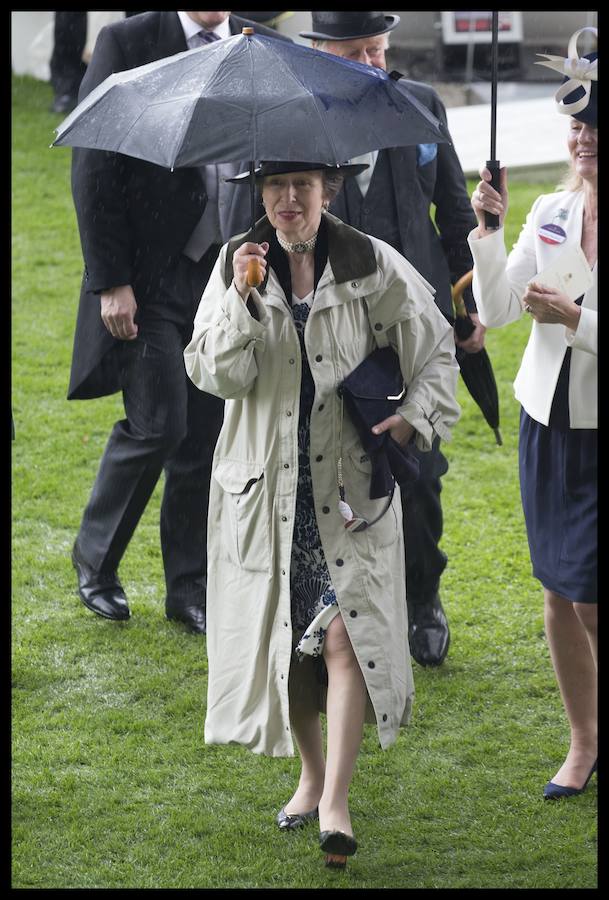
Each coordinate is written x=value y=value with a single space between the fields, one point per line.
x=476 y=369
x=248 y=97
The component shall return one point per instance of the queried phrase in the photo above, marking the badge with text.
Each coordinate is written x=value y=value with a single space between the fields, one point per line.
x=552 y=234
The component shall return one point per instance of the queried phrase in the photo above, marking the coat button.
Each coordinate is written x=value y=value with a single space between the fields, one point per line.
x=384 y=714
x=291 y=362
x=320 y=407
x=325 y=509
x=340 y=562
x=319 y=357
x=355 y=284
x=286 y=465
x=318 y=458
x=288 y=413
x=371 y=665
x=353 y=613
x=284 y=518
x=378 y=326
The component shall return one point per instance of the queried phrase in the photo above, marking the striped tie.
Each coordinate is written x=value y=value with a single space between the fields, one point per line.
x=203 y=37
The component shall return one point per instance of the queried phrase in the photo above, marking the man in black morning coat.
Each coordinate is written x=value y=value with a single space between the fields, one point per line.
x=147 y=256
x=391 y=200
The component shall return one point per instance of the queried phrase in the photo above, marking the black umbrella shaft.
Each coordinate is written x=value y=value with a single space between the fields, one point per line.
x=494 y=69
x=253 y=196
x=490 y=219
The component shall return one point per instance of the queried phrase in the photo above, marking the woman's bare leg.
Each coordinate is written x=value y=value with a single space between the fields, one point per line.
x=571 y=630
x=345 y=709
x=306 y=729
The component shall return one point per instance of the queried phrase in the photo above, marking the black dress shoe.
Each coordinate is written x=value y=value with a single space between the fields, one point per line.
x=428 y=633
x=65 y=103
x=193 y=616
x=337 y=846
x=100 y=591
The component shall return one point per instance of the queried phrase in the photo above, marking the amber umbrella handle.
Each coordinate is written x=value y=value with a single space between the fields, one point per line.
x=254 y=275
x=457 y=292
x=463 y=324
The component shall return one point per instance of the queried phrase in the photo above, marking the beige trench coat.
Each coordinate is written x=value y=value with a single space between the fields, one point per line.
x=368 y=295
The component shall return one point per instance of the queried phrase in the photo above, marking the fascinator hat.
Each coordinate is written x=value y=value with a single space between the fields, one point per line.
x=577 y=95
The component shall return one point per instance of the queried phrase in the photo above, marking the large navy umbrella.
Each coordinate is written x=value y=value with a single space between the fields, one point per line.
x=248 y=97
x=253 y=98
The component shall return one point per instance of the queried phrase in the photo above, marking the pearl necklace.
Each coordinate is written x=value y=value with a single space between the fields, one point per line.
x=297 y=246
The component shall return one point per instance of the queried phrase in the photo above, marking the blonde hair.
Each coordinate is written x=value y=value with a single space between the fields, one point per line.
x=571 y=180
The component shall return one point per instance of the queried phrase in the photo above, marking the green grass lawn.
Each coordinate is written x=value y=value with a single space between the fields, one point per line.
x=112 y=784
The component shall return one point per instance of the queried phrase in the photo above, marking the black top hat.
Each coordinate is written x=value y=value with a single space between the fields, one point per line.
x=349 y=26
x=281 y=168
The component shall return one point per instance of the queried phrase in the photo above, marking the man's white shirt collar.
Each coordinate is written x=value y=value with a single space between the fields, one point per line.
x=191 y=28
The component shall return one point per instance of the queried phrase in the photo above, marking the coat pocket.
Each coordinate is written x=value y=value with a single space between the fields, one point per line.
x=245 y=520
x=357 y=470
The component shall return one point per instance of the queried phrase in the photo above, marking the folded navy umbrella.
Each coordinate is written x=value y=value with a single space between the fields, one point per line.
x=372 y=392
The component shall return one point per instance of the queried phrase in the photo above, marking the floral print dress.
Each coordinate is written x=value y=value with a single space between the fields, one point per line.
x=314 y=602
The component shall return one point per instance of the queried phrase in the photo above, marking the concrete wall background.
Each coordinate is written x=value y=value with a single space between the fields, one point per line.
x=415 y=44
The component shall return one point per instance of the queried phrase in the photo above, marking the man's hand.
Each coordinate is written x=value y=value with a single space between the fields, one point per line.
x=475 y=341
x=118 y=309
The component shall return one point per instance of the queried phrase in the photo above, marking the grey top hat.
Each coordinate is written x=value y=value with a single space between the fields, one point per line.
x=282 y=168
x=348 y=26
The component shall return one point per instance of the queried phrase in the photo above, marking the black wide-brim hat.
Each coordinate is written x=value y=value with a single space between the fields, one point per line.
x=348 y=26
x=282 y=168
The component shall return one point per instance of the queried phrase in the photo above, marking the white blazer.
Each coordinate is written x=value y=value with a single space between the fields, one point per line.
x=498 y=286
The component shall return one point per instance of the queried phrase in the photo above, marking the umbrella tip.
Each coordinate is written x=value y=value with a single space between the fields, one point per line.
x=498 y=437
x=247 y=30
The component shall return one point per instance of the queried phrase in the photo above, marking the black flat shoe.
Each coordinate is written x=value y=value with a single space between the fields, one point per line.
x=337 y=846
x=292 y=821
x=192 y=616
x=557 y=791
x=100 y=591
x=428 y=632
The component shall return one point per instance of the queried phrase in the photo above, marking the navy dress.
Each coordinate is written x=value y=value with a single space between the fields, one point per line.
x=558 y=485
x=313 y=598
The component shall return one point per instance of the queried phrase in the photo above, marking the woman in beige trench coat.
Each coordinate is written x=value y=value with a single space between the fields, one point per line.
x=258 y=350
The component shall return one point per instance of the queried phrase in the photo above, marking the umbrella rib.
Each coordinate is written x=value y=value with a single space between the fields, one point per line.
x=208 y=85
x=255 y=104
x=306 y=90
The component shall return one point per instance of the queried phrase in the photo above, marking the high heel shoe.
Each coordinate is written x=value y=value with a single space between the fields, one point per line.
x=556 y=791
x=288 y=822
x=337 y=846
